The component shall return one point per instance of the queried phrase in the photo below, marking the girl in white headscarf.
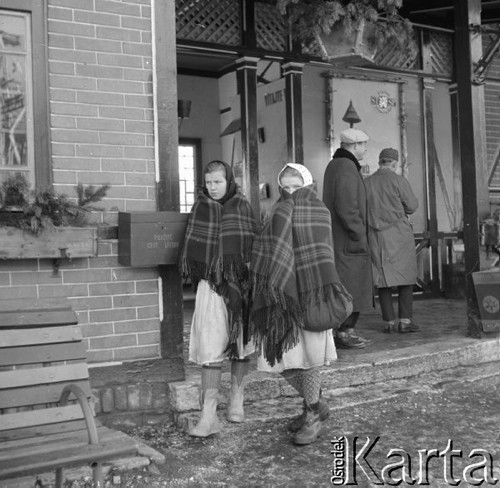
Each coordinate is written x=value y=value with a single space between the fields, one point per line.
x=292 y=269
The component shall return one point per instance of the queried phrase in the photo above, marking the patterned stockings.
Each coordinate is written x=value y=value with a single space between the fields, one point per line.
x=307 y=382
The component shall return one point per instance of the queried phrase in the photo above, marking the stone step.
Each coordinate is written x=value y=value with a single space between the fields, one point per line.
x=339 y=398
x=357 y=376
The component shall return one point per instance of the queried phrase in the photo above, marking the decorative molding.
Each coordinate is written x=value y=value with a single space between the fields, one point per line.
x=367 y=77
x=246 y=62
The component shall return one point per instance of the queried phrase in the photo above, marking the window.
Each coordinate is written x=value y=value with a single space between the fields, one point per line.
x=16 y=127
x=189 y=172
x=24 y=141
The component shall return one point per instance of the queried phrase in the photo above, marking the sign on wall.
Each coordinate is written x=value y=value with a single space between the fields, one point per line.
x=379 y=107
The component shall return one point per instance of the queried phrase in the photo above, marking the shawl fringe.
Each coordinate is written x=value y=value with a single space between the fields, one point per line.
x=276 y=320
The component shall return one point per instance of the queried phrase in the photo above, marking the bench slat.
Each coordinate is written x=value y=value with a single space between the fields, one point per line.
x=27 y=447
x=46 y=335
x=40 y=376
x=36 y=318
x=9 y=421
x=42 y=353
x=53 y=433
x=65 y=458
x=39 y=394
x=25 y=433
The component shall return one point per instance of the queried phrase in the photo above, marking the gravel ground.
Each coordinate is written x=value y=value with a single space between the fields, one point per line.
x=260 y=454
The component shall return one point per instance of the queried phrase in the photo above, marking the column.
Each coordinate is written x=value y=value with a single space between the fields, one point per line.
x=293 y=96
x=472 y=130
x=246 y=72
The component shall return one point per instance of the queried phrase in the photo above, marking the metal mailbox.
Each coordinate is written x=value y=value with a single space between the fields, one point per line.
x=150 y=238
x=487 y=286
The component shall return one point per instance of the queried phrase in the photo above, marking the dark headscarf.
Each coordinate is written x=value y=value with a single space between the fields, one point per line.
x=232 y=187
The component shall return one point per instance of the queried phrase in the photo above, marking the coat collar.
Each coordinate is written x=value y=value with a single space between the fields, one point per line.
x=344 y=153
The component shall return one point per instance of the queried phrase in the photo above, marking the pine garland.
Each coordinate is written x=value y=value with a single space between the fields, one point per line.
x=45 y=209
x=309 y=18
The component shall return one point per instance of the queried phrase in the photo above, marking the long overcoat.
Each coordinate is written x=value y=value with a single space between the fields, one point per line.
x=344 y=195
x=390 y=201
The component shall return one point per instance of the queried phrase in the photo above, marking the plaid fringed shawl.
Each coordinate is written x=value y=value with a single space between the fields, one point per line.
x=217 y=246
x=292 y=267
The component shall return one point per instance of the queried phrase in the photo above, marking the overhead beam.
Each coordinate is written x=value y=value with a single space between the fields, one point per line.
x=431 y=6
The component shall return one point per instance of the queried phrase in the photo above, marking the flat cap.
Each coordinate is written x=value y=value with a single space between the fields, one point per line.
x=389 y=153
x=352 y=136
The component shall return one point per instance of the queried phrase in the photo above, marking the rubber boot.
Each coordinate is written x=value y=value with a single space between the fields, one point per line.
x=324 y=412
x=209 y=422
x=311 y=429
x=235 y=412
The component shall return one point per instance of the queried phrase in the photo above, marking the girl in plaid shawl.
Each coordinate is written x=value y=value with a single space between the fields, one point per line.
x=293 y=267
x=216 y=251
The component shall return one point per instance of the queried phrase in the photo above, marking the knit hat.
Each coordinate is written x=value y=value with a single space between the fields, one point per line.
x=352 y=136
x=304 y=172
x=389 y=153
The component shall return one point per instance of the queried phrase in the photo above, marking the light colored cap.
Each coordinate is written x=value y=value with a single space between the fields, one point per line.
x=352 y=136
x=304 y=172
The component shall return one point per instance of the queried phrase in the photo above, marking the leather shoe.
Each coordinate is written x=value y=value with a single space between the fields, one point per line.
x=359 y=338
x=344 y=341
x=391 y=327
x=405 y=328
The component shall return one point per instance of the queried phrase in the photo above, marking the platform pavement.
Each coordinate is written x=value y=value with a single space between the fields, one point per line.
x=441 y=345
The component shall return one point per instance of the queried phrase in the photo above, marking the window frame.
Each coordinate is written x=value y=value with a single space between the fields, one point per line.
x=196 y=143
x=40 y=86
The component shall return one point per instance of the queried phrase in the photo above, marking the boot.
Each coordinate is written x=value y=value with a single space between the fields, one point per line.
x=209 y=422
x=311 y=429
x=324 y=412
x=235 y=411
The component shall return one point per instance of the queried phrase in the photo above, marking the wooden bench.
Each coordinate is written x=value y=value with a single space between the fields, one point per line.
x=46 y=417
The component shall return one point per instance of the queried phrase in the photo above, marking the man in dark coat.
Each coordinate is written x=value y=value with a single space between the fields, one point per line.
x=344 y=194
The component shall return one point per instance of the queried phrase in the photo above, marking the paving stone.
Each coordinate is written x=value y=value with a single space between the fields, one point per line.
x=184 y=396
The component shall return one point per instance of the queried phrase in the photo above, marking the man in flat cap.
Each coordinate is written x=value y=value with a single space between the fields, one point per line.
x=345 y=196
x=390 y=236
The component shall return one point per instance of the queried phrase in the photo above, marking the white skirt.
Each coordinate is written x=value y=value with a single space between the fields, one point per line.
x=210 y=329
x=313 y=349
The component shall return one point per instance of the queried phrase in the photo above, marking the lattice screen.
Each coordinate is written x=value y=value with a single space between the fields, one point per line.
x=270 y=27
x=216 y=21
x=219 y=22
x=390 y=55
x=441 y=47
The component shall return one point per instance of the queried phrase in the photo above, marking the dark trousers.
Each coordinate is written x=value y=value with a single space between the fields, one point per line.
x=405 y=302
x=349 y=322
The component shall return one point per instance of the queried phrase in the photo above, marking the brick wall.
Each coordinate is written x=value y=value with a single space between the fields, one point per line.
x=101 y=129
x=101 y=104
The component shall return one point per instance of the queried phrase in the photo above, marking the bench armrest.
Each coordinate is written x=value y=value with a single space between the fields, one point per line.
x=88 y=414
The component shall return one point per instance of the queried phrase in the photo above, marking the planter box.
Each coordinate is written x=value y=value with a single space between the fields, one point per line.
x=487 y=286
x=150 y=238
x=348 y=48
x=59 y=242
